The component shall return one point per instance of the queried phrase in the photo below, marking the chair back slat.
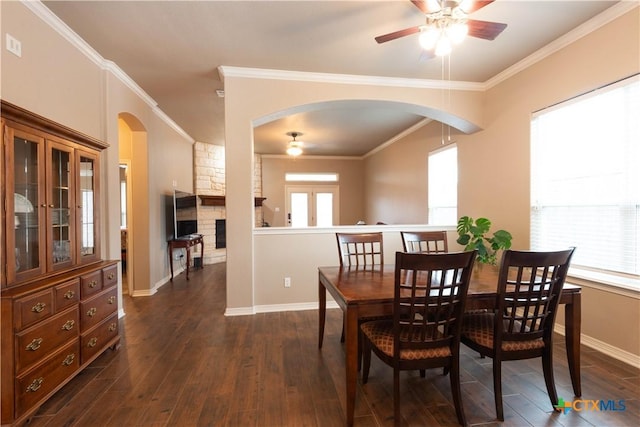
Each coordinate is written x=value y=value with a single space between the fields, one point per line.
x=430 y=294
x=360 y=249
x=529 y=290
x=424 y=241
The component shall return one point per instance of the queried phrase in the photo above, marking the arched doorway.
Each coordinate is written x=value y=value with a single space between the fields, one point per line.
x=132 y=138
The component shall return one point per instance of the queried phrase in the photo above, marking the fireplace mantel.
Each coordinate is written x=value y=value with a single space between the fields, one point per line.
x=220 y=200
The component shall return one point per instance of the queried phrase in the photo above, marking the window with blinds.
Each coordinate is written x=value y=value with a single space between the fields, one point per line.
x=585 y=178
x=443 y=186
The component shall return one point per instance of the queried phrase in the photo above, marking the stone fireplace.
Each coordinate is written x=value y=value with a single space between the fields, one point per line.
x=209 y=170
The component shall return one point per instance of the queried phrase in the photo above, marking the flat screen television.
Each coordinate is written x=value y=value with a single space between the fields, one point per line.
x=185 y=214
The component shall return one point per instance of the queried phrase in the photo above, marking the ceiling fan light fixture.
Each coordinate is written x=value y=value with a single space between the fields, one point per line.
x=457 y=32
x=443 y=46
x=429 y=37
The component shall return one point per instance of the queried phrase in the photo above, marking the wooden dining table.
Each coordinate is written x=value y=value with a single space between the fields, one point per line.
x=368 y=291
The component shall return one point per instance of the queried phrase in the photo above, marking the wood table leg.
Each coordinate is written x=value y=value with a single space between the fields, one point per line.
x=201 y=253
x=188 y=250
x=351 y=355
x=322 y=311
x=170 y=248
x=573 y=320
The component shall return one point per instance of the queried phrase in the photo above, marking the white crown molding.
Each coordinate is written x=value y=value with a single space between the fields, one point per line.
x=572 y=36
x=399 y=136
x=351 y=79
x=42 y=12
x=307 y=157
x=586 y=28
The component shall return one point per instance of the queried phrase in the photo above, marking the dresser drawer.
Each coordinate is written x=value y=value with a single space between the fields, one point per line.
x=110 y=276
x=35 y=384
x=90 y=284
x=33 y=308
x=94 y=341
x=35 y=343
x=67 y=294
x=96 y=309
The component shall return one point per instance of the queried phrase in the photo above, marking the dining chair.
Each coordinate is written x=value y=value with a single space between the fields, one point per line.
x=360 y=250
x=429 y=299
x=521 y=326
x=424 y=241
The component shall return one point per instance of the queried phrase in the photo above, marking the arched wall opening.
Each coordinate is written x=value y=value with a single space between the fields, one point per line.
x=251 y=100
x=132 y=137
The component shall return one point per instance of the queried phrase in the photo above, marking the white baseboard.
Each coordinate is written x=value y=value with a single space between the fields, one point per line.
x=603 y=347
x=273 y=308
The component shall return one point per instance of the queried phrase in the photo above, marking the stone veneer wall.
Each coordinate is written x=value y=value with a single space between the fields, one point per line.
x=209 y=178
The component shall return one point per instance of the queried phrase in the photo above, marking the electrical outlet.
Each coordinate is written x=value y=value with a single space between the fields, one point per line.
x=287 y=282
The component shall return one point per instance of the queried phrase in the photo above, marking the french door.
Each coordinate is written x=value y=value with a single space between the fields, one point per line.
x=312 y=205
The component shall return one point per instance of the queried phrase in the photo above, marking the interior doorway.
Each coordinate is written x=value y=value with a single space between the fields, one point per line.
x=125 y=196
x=134 y=193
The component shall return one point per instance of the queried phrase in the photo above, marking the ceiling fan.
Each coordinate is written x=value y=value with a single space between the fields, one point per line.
x=447 y=24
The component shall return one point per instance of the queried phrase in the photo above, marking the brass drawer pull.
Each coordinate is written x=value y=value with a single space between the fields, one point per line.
x=68 y=325
x=93 y=284
x=92 y=312
x=111 y=299
x=35 y=385
x=69 y=295
x=39 y=307
x=112 y=327
x=111 y=276
x=35 y=344
x=69 y=359
x=92 y=342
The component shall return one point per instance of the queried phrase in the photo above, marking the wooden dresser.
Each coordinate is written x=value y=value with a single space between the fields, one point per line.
x=58 y=298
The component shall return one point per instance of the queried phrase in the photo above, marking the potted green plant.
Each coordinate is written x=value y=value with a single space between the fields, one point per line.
x=473 y=234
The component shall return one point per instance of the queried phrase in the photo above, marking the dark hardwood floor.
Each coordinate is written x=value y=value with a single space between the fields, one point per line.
x=183 y=363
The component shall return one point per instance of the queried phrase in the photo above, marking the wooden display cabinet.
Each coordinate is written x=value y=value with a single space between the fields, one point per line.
x=58 y=298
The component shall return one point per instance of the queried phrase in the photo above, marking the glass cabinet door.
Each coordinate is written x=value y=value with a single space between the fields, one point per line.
x=26 y=235
x=87 y=197
x=60 y=202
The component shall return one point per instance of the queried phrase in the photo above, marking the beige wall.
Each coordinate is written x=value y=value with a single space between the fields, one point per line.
x=397 y=176
x=494 y=174
x=494 y=163
x=494 y=167
x=250 y=101
x=349 y=170
x=55 y=80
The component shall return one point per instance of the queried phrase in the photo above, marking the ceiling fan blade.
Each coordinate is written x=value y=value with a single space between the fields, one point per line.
x=471 y=6
x=484 y=29
x=397 y=34
x=427 y=6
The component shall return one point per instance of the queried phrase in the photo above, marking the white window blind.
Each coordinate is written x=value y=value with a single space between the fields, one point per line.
x=585 y=178
x=443 y=186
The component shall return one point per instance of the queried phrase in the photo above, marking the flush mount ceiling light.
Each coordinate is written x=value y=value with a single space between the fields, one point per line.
x=295 y=147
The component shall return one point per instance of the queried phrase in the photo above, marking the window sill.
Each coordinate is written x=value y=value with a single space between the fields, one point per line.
x=626 y=286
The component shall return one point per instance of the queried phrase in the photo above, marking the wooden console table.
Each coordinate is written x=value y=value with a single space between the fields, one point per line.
x=186 y=242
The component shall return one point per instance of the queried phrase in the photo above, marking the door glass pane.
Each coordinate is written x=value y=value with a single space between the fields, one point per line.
x=87 y=194
x=324 y=209
x=26 y=221
x=59 y=205
x=299 y=210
